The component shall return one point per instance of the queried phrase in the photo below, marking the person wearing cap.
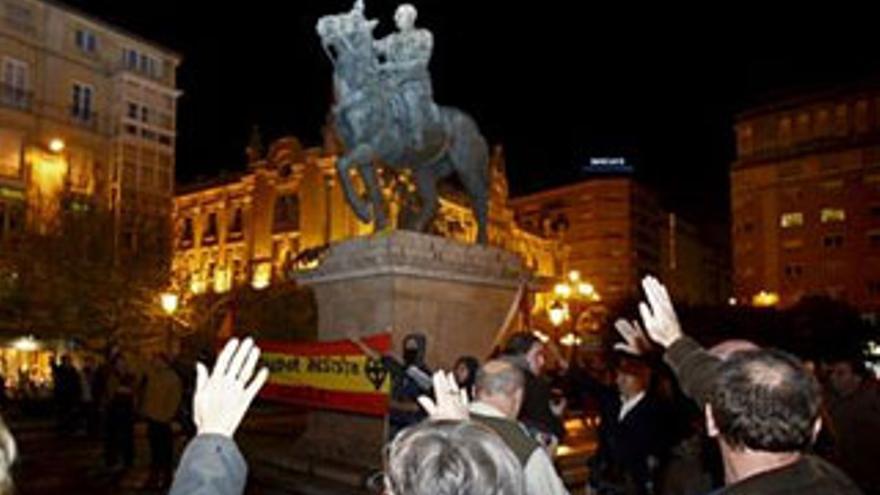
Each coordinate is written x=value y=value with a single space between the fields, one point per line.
x=630 y=432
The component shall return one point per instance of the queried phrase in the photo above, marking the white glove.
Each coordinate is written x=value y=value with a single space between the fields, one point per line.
x=222 y=399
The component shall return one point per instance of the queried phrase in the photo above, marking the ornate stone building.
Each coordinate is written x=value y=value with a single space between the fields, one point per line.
x=250 y=227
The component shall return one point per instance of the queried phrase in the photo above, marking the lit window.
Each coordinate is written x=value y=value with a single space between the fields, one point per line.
x=792 y=219
x=833 y=215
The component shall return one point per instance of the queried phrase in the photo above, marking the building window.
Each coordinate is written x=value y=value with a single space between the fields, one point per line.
x=286 y=213
x=841 y=120
x=145 y=114
x=784 y=132
x=823 y=123
x=211 y=229
x=141 y=62
x=746 y=143
x=833 y=241
x=15 y=83
x=132 y=110
x=83 y=95
x=794 y=271
x=236 y=227
x=802 y=127
x=791 y=219
x=831 y=215
x=19 y=17
x=11 y=153
x=792 y=244
x=861 y=116
x=86 y=41
x=186 y=235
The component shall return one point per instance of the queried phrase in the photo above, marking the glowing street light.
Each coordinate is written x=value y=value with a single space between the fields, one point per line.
x=56 y=145
x=169 y=302
x=765 y=299
x=557 y=313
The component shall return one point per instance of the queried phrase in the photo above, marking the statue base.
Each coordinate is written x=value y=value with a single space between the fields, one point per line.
x=456 y=294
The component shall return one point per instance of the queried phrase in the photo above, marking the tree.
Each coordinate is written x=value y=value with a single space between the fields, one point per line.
x=76 y=278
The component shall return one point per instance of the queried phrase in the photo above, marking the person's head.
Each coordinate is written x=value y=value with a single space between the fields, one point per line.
x=500 y=384
x=528 y=347
x=66 y=360
x=633 y=376
x=405 y=16
x=764 y=400
x=846 y=376
x=8 y=453
x=466 y=370
x=414 y=347
x=724 y=349
x=451 y=458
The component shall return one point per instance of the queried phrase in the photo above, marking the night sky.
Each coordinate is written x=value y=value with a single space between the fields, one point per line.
x=554 y=82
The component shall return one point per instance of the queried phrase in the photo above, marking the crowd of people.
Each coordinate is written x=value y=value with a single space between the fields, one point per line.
x=675 y=418
x=109 y=400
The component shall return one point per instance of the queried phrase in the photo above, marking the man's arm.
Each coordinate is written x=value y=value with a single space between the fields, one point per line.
x=212 y=463
x=695 y=368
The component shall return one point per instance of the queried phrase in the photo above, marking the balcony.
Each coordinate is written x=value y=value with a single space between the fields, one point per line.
x=16 y=98
x=84 y=118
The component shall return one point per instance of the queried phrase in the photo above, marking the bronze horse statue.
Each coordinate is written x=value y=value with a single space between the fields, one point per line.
x=368 y=127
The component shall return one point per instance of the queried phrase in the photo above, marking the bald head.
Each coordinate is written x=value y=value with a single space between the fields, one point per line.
x=500 y=383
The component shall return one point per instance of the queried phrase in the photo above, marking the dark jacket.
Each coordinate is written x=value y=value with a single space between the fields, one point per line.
x=856 y=425
x=535 y=412
x=624 y=446
x=211 y=465
x=697 y=370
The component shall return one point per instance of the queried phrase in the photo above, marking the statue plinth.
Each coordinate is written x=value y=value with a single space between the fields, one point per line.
x=456 y=294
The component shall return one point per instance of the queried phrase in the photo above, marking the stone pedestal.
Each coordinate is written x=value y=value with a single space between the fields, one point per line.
x=456 y=294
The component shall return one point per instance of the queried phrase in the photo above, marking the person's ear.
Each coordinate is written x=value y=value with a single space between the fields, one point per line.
x=711 y=429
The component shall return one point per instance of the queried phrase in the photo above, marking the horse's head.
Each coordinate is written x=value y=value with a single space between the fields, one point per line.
x=347 y=37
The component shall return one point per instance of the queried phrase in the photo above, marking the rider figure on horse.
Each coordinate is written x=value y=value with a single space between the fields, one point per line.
x=406 y=54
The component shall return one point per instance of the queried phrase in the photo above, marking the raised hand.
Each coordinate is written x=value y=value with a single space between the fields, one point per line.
x=223 y=397
x=658 y=315
x=452 y=403
x=635 y=342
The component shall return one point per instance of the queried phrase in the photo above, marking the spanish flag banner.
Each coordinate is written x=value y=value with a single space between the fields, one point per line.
x=328 y=375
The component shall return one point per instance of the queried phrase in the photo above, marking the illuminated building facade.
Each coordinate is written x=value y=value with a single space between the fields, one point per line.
x=805 y=200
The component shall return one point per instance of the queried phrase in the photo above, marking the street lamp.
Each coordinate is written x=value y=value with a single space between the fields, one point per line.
x=169 y=302
x=56 y=145
x=573 y=300
x=557 y=312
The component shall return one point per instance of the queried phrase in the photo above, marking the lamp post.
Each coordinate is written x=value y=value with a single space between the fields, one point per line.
x=169 y=302
x=573 y=299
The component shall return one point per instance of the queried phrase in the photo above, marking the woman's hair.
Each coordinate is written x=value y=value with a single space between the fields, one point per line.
x=452 y=458
x=8 y=453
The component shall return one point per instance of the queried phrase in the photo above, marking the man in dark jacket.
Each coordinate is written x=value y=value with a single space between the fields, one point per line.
x=855 y=411
x=762 y=407
x=631 y=437
x=528 y=353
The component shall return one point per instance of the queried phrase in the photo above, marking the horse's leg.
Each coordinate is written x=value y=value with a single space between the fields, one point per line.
x=343 y=165
x=374 y=190
x=426 y=184
x=469 y=155
x=479 y=195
